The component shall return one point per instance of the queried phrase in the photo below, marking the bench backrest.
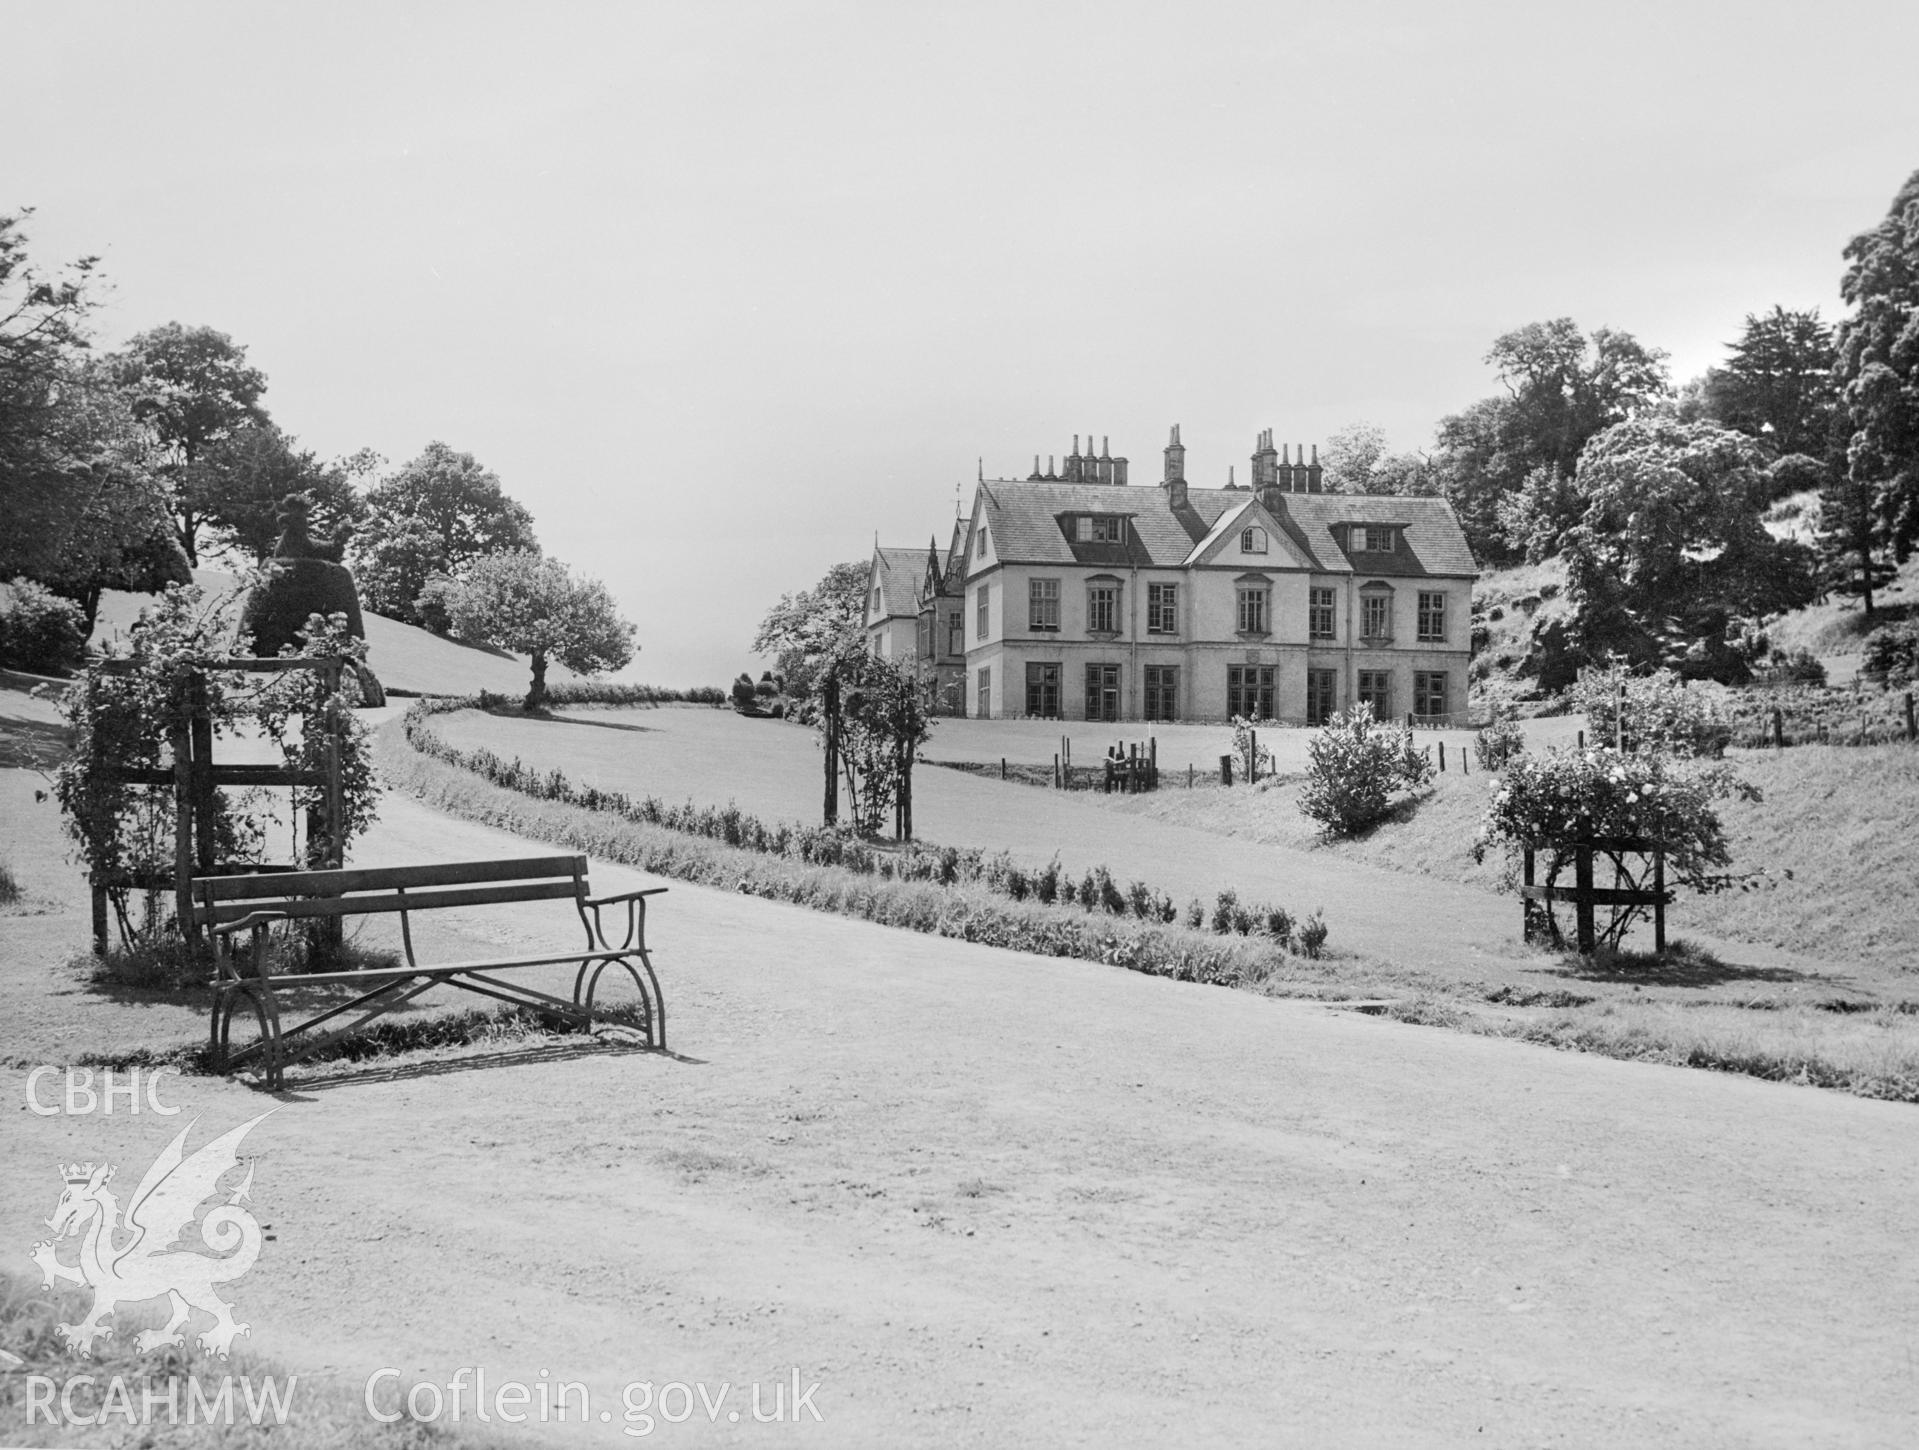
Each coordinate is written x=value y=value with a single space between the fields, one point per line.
x=360 y=890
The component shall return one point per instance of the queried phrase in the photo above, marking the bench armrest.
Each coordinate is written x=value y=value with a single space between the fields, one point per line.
x=257 y=922
x=635 y=904
x=258 y=918
x=621 y=896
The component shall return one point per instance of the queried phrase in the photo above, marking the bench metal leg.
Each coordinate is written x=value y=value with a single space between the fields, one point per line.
x=266 y=1012
x=586 y=984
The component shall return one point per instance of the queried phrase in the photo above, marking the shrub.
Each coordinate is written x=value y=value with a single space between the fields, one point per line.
x=1660 y=713
x=1499 y=742
x=1046 y=884
x=1244 y=730
x=123 y=720
x=1892 y=650
x=1223 y=909
x=1356 y=766
x=1312 y=934
x=1791 y=667
x=1196 y=913
x=40 y=632
x=1546 y=804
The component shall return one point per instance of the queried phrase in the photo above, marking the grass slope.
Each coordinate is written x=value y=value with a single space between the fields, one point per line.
x=1854 y=1031
x=1833 y=845
x=412 y=660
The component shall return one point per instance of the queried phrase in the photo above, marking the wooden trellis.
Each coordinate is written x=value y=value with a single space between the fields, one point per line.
x=193 y=777
x=1630 y=889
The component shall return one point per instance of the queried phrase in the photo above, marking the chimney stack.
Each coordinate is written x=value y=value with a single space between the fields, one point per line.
x=1175 y=458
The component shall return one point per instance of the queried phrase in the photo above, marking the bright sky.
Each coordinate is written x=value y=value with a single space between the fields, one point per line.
x=719 y=290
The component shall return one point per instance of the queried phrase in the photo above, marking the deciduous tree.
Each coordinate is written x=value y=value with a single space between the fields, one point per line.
x=805 y=630
x=82 y=504
x=193 y=387
x=438 y=514
x=1562 y=388
x=1671 y=537
x=521 y=601
x=240 y=481
x=1878 y=367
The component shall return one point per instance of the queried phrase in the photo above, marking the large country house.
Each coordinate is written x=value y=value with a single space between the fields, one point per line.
x=1077 y=596
x=913 y=603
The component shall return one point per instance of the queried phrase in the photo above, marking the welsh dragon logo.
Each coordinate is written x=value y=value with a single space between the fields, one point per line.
x=131 y=1260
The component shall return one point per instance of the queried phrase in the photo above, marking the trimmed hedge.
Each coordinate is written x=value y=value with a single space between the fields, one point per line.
x=1095 y=891
x=962 y=909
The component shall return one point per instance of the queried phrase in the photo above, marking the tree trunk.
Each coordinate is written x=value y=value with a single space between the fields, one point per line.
x=830 y=703
x=536 y=696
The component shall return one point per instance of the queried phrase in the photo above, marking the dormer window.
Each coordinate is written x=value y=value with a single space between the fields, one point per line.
x=1370 y=538
x=1098 y=529
x=1252 y=541
x=982 y=542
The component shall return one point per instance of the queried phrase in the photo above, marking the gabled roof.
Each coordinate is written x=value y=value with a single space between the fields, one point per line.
x=956 y=553
x=897 y=574
x=1432 y=541
x=1028 y=525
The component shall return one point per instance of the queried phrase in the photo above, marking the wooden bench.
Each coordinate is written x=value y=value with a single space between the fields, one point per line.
x=228 y=906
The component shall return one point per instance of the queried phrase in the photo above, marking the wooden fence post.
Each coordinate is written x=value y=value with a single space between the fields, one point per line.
x=1002 y=767
x=830 y=703
x=178 y=741
x=1912 y=733
x=1778 y=728
x=336 y=788
x=1226 y=770
x=1442 y=757
x=1528 y=909
x=200 y=750
x=1659 y=900
x=1583 y=884
x=906 y=794
x=1252 y=757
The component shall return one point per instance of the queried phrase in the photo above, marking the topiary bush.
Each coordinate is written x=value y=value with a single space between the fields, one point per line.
x=40 y=632
x=1356 y=767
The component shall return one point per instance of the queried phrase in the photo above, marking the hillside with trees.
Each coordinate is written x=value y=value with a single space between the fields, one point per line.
x=1690 y=526
x=125 y=471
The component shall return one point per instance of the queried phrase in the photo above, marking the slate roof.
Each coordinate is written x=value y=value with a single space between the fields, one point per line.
x=1024 y=519
x=899 y=574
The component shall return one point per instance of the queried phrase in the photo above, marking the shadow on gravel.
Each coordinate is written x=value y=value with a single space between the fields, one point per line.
x=356 y=1074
